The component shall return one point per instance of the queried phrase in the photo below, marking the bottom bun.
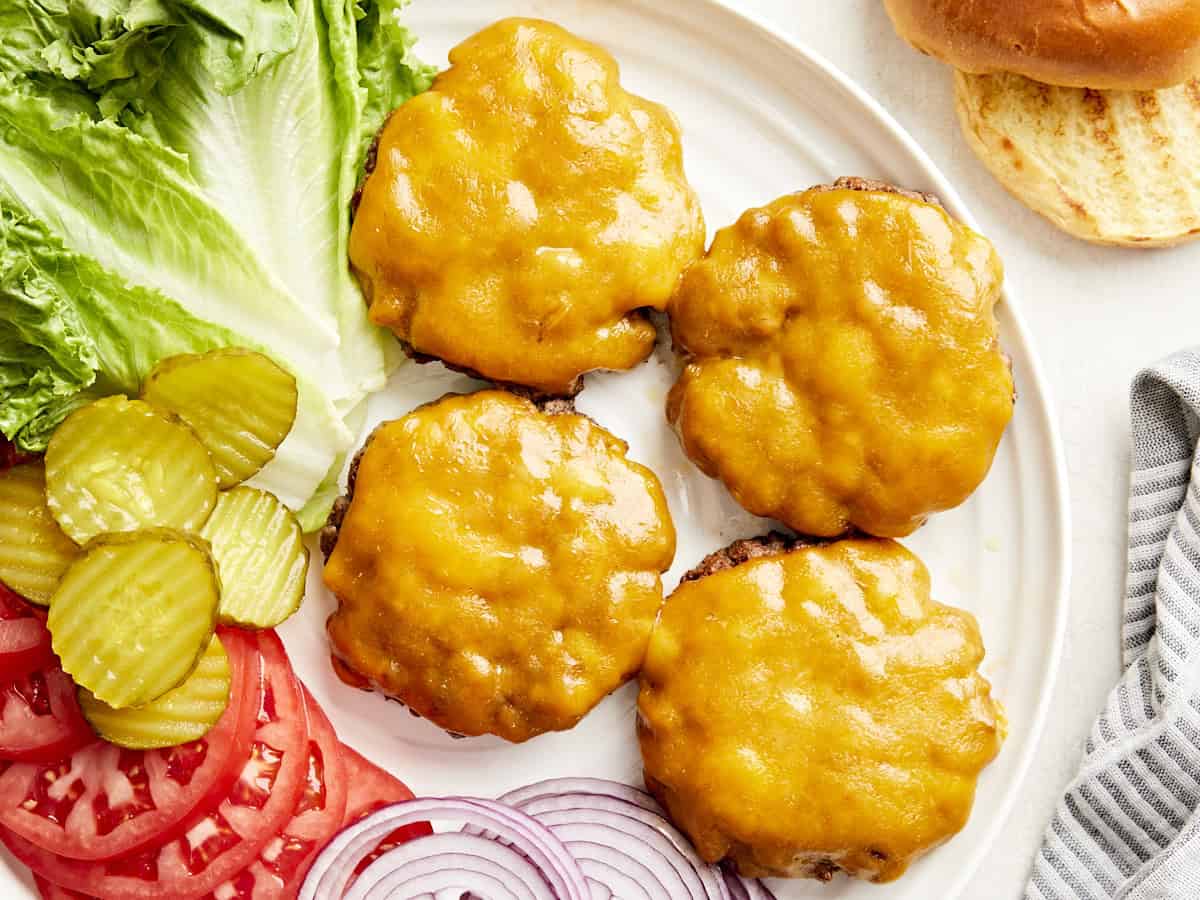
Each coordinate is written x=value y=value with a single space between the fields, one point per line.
x=1111 y=167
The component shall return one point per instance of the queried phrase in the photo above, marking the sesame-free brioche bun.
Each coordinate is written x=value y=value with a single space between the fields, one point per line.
x=1102 y=44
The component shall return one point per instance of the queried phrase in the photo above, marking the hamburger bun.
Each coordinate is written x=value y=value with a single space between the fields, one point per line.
x=1099 y=44
x=1110 y=167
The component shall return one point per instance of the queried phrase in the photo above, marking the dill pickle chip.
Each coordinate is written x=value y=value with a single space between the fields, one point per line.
x=34 y=552
x=183 y=714
x=260 y=553
x=240 y=403
x=120 y=464
x=133 y=614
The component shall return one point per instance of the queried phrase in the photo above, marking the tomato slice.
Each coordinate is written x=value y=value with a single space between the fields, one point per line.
x=372 y=788
x=24 y=638
x=104 y=801
x=287 y=857
x=219 y=842
x=51 y=891
x=40 y=721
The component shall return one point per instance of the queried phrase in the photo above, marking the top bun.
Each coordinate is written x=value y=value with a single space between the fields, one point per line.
x=1104 y=44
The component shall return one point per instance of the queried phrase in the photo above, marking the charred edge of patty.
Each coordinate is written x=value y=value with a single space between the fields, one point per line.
x=813 y=864
x=855 y=183
x=350 y=677
x=551 y=406
x=520 y=390
x=774 y=543
x=822 y=869
x=369 y=164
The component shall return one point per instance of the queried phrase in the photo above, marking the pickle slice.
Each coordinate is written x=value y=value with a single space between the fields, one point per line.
x=120 y=464
x=133 y=614
x=177 y=717
x=34 y=552
x=260 y=553
x=240 y=403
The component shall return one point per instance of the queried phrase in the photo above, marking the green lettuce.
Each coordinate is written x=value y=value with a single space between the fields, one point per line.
x=176 y=175
x=72 y=331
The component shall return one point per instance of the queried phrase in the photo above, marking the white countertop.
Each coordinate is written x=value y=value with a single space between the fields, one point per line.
x=1097 y=316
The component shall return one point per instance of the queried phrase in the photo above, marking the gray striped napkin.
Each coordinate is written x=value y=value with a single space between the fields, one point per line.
x=1129 y=824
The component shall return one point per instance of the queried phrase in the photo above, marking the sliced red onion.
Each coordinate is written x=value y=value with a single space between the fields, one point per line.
x=567 y=839
x=639 y=842
x=334 y=868
x=613 y=874
x=466 y=863
x=559 y=786
x=638 y=817
x=573 y=793
x=448 y=882
x=737 y=890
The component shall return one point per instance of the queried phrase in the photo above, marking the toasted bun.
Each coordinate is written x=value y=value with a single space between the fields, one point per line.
x=1111 y=167
x=1103 y=44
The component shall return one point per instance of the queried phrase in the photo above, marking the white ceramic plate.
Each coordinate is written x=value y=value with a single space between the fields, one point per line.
x=761 y=116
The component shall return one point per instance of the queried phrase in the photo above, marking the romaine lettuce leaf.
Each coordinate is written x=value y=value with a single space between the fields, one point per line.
x=117 y=49
x=71 y=330
x=176 y=175
x=132 y=205
x=272 y=156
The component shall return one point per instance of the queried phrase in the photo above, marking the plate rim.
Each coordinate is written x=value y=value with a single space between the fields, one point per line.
x=1041 y=389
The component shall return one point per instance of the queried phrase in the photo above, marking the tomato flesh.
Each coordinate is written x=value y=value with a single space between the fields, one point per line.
x=216 y=843
x=51 y=891
x=297 y=788
x=24 y=638
x=287 y=857
x=40 y=721
x=372 y=788
x=104 y=801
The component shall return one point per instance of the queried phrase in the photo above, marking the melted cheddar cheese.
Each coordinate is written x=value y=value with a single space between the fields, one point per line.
x=815 y=710
x=523 y=210
x=842 y=361
x=498 y=569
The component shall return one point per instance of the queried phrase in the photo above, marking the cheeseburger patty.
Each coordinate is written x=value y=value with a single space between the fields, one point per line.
x=808 y=708
x=842 y=369
x=496 y=565
x=521 y=215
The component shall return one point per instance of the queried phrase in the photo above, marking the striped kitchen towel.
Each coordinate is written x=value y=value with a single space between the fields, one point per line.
x=1128 y=825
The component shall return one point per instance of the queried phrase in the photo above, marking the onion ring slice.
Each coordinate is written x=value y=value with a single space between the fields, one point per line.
x=334 y=867
x=477 y=861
